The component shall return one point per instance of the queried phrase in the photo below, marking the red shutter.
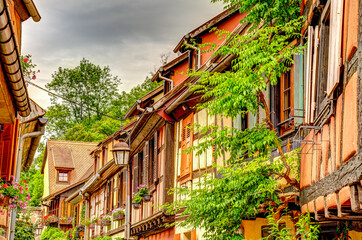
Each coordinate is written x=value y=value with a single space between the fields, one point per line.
x=186 y=158
x=6 y=151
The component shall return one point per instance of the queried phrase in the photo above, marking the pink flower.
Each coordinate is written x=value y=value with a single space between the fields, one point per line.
x=24 y=211
x=34 y=77
x=11 y=206
x=8 y=214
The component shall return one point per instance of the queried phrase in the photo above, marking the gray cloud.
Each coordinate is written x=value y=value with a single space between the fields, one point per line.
x=127 y=35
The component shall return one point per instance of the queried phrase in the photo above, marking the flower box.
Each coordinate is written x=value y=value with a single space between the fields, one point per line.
x=99 y=222
x=106 y=222
x=91 y=226
x=66 y=221
x=118 y=217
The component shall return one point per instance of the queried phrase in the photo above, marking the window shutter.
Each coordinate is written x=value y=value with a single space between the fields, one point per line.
x=187 y=138
x=314 y=72
x=323 y=66
x=135 y=173
x=155 y=157
x=120 y=189
x=335 y=40
x=145 y=168
x=308 y=75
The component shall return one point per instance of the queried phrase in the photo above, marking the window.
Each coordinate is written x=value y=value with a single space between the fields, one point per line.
x=137 y=170
x=63 y=176
x=286 y=101
x=186 y=141
x=323 y=59
x=104 y=156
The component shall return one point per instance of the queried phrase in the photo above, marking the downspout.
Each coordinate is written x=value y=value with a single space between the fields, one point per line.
x=198 y=53
x=43 y=121
x=166 y=79
x=10 y=59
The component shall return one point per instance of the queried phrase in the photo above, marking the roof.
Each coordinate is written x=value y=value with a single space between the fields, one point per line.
x=143 y=102
x=27 y=9
x=170 y=64
x=126 y=127
x=62 y=156
x=206 y=26
x=69 y=155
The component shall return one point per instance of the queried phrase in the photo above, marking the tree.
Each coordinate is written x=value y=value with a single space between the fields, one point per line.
x=250 y=179
x=94 y=87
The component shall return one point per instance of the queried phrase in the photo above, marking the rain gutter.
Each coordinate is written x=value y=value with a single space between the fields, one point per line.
x=10 y=59
x=33 y=11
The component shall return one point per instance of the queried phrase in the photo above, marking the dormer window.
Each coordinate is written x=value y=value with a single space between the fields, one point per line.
x=63 y=176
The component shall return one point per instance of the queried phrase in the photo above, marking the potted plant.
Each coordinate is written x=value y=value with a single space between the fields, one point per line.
x=14 y=194
x=93 y=222
x=50 y=218
x=137 y=201
x=106 y=220
x=118 y=214
x=144 y=192
x=66 y=220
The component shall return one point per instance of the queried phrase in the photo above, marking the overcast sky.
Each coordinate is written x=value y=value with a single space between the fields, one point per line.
x=127 y=35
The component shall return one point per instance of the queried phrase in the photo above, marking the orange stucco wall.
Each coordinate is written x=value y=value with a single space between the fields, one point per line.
x=350 y=29
x=342 y=146
x=180 y=72
x=211 y=37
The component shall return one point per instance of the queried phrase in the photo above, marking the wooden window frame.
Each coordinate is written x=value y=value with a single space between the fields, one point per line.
x=63 y=171
x=286 y=127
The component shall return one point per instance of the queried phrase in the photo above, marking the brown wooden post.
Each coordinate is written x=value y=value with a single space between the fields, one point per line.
x=168 y=169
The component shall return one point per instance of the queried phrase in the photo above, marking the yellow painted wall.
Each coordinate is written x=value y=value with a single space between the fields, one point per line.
x=355 y=235
x=252 y=228
x=46 y=179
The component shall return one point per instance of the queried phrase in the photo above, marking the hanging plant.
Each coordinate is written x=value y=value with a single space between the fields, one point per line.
x=14 y=195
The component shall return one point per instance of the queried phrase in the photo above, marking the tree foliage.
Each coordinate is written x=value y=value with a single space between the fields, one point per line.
x=35 y=179
x=24 y=228
x=94 y=87
x=250 y=179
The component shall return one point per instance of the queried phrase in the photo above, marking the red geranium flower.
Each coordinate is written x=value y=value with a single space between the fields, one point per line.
x=25 y=181
x=5 y=185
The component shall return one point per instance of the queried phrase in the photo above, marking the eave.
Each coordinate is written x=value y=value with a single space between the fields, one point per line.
x=143 y=102
x=152 y=224
x=11 y=63
x=205 y=27
x=215 y=63
x=26 y=9
x=115 y=135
